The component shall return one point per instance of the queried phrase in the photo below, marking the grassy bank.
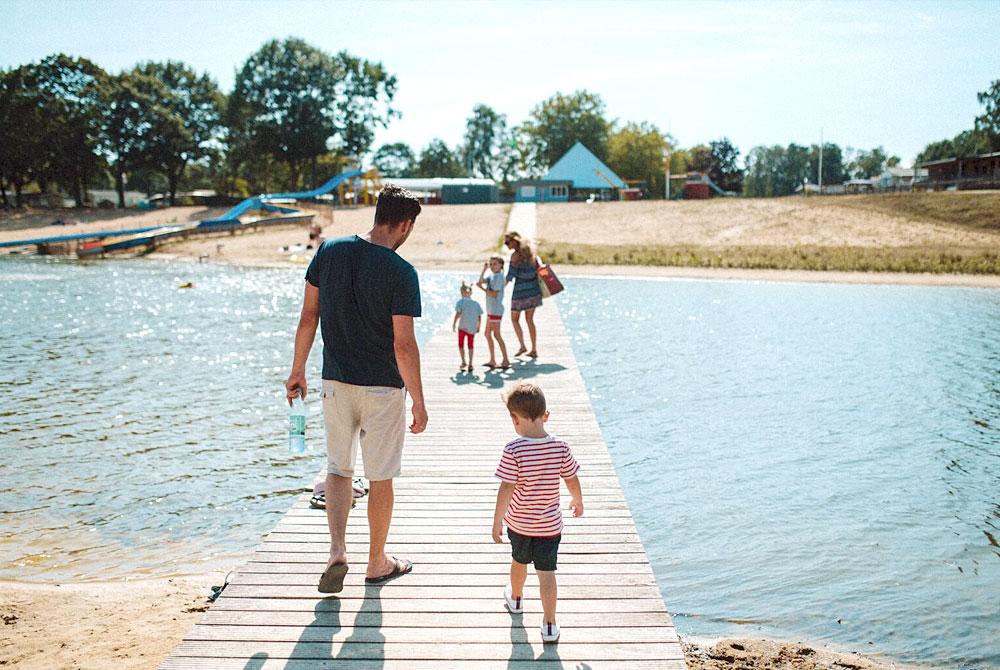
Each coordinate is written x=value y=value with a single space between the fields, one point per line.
x=802 y=257
x=978 y=210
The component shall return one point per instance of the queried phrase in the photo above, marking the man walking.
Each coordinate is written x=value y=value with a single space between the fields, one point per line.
x=364 y=297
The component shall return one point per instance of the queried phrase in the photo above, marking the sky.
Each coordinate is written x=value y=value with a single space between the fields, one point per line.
x=897 y=74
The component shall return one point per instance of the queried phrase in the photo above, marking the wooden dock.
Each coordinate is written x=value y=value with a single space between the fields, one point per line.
x=449 y=613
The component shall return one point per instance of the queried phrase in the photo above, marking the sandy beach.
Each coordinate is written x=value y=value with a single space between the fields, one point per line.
x=125 y=624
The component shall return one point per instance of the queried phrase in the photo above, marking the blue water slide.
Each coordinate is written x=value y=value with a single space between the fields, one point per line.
x=260 y=201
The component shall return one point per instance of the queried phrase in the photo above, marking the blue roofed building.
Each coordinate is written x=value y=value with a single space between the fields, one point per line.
x=578 y=175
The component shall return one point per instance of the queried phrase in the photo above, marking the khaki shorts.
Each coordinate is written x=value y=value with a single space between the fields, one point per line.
x=372 y=416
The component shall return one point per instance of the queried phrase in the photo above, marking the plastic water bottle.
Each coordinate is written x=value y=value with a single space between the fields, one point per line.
x=297 y=427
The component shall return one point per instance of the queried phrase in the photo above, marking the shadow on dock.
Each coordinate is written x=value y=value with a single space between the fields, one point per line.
x=496 y=378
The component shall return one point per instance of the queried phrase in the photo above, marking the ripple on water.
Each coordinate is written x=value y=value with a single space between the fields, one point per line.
x=808 y=461
x=147 y=422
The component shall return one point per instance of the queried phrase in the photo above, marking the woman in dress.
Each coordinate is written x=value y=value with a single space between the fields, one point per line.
x=527 y=296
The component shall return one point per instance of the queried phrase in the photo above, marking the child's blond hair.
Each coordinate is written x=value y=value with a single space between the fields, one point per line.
x=466 y=287
x=526 y=400
x=497 y=258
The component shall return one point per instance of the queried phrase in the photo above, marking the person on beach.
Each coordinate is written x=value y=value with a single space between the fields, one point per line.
x=527 y=296
x=528 y=501
x=365 y=297
x=468 y=319
x=493 y=286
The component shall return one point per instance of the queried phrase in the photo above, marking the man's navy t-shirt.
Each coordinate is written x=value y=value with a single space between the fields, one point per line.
x=361 y=286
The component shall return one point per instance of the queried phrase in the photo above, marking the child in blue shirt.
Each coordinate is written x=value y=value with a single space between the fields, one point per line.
x=468 y=318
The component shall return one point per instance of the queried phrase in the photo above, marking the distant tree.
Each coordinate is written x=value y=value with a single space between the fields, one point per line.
x=130 y=117
x=635 y=152
x=966 y=143
x=190 y=118
x=437 y=160
x=989 y=121
x=512 y=155
x=395 y=160
x=699 y=158
x=893 y=161
x=485 y=133
x=22 y=131
x=297 y=102
x=725 y=170
x=556 y=124
x=68 y=92
x=833 y=165
x=776 y=170
x=867 y=163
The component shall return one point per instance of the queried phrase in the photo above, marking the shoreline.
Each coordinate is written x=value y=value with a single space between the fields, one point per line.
x=658 y=272
x=136 y=623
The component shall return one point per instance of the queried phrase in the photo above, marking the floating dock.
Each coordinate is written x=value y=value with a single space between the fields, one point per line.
x=449 y=612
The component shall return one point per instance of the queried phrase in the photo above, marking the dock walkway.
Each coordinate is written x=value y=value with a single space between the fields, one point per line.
x=449 y=613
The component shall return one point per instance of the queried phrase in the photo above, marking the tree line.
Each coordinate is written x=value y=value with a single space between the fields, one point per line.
x=297 y=114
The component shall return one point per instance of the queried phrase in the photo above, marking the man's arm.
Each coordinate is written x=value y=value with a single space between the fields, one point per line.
x=305 y=334
x=404 y=343
x=504 y=494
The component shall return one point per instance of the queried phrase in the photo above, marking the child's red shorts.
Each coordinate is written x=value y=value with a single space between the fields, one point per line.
x=464 y=337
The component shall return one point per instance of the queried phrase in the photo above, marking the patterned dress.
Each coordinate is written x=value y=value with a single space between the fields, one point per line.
x=526 y=294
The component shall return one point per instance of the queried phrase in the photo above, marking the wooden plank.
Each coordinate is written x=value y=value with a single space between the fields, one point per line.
x=521 y=650
x=430 y=606
x=547 y=658
x=496 y=618
x=463 y=633
x=449 y=612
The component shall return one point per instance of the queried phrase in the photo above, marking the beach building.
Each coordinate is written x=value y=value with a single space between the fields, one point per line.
x=962 y=173
x=449 y=190
x=578 y=175
x=899 y=178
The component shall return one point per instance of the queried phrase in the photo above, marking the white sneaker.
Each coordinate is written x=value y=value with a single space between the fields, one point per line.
x=550 y=632
x=514 y=605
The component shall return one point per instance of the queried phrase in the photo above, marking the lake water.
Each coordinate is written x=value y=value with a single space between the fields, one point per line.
x=808 y=461
x=141 y=424
x=813 y=462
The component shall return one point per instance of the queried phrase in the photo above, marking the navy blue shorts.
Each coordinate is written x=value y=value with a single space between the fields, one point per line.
x=542 y=551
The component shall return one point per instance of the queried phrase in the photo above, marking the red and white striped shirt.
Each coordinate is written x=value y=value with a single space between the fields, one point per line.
x=534 y=465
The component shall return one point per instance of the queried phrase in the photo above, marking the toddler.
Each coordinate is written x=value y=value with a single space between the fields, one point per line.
x=468 y=318
x=528 y=500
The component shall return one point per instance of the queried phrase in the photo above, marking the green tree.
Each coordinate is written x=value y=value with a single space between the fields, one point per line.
x=189 y=118
x=725 y=170
x=22 y=130
x=485 y=134
x=635 y=152
x=867 y=163
x=437 y=160
x=556 y=124
x=395 y=160
x=776 y=170
x=130 y=118
x=69 y=93
x=989 y=121
x=297 y=102
x=833 y=165
x=700 y=158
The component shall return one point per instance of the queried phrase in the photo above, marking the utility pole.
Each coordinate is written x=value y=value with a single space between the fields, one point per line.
x=666 y=171
x=821 y=161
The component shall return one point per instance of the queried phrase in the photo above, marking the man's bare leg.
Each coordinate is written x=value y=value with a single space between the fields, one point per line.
x=339 y=494
x=380 y=502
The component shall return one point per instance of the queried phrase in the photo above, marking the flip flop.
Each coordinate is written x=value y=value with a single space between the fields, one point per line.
x=319 y=502
x=332 y=580
x=399 y=568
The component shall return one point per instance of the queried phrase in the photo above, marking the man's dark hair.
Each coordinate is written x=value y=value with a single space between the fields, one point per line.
x=394 y=205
